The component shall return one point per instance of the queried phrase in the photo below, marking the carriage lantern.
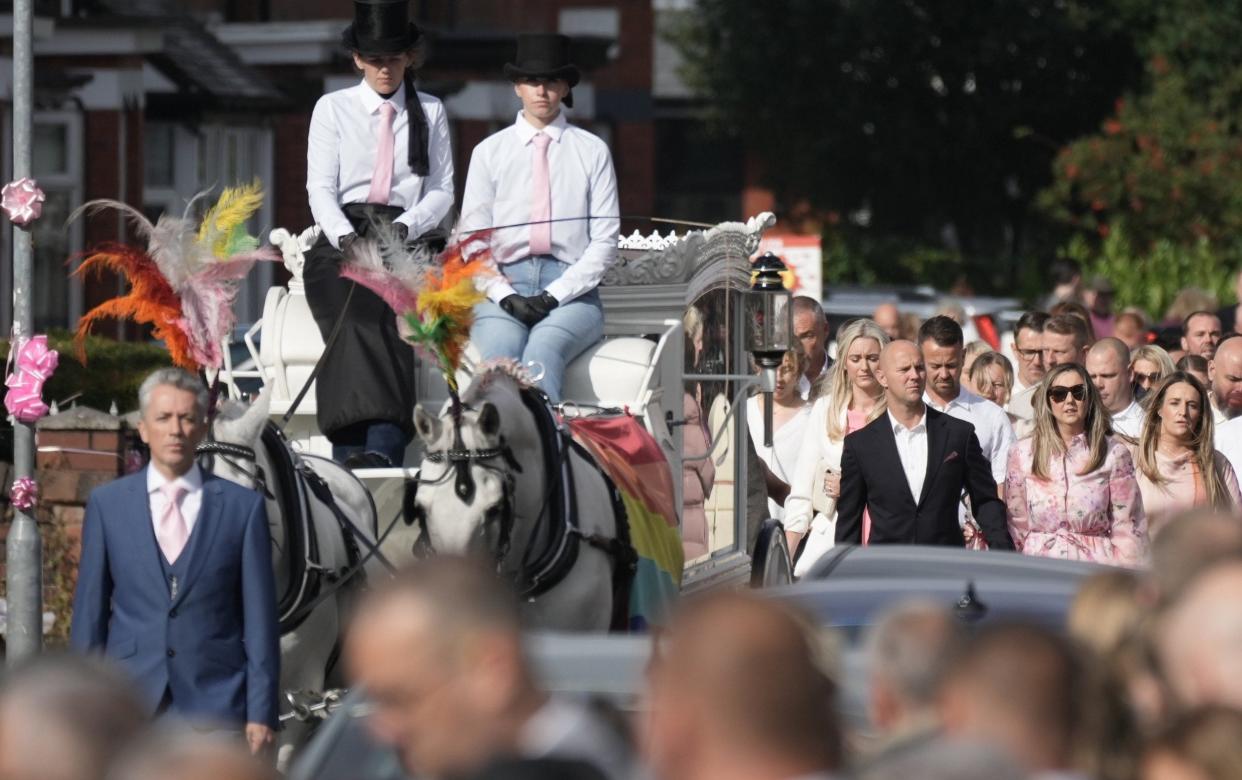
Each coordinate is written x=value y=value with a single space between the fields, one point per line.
x=769 y=318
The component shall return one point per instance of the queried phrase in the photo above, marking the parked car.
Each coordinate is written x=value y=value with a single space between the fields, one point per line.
x=987 y=317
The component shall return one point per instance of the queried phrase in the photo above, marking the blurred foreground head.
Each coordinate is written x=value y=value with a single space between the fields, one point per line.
x=65 y=717
x=1204 y=744
x=737 y=691
x=190 y=755
x=438 y=650
x=1199 y=639
x=1190 y=543
x=1017 y=687
x=907 y=650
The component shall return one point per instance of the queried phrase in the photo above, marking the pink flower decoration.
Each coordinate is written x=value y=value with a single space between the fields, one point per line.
x=24 y=494
x=34 y=366
x=22 y=201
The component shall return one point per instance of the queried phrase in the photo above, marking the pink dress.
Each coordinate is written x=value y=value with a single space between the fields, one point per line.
x=1088 y=517
x=1185 y=488
x=856 y=420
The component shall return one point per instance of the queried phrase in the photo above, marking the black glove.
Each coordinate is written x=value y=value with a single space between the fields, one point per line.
x=347 y=241
x=544 y=303
x=526 y=310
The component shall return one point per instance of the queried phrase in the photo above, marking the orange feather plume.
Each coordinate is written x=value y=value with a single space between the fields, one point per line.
x=150 y=300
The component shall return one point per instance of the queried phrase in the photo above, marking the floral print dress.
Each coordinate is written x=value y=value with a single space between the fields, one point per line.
x=1088 y=517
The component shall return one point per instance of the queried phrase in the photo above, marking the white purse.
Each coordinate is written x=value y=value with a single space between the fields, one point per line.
x=821 y=502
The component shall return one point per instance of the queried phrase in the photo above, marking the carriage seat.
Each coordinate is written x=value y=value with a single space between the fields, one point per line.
x=616 y=372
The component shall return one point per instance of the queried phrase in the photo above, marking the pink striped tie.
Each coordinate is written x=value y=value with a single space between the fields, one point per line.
x=171 y=531
x=381 y=177
x=540 y=198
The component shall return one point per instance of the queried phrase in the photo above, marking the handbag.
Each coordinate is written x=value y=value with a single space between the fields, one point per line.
x=821 y=502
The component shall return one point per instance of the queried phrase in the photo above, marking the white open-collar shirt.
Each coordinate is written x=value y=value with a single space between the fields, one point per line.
x=992 y=427
x=583 y=183
x=912 y=444
x=191 y=502
x=340 y=160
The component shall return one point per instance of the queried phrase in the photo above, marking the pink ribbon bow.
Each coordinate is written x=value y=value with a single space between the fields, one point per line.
x=24 y=494
x=22 y=201
x=34 y=366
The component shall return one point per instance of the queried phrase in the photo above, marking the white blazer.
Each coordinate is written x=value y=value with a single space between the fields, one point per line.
x=818 y=450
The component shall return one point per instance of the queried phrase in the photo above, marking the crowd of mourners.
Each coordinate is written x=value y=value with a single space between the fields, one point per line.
x=1143 y=681
x=1092 y=432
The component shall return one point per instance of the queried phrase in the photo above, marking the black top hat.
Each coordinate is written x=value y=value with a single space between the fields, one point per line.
x=381 y=27
x=542 y=56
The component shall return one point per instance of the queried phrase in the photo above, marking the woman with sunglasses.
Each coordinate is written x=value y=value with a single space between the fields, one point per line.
x=1178 y=464
x=1071 y=487
x=1149 y=364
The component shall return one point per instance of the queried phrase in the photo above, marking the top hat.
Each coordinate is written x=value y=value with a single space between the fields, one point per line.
x=381 y=27
x=542 y=56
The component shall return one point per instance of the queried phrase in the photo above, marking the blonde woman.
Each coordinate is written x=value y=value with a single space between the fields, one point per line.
x=789 y=417
x=1149 y=364
x=853 y=398
x=1071 y=487
x=1178 y=464
x=972 y=352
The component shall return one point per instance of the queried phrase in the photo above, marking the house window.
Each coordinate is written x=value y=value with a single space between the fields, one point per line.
x=57 y=159
x=211 y=157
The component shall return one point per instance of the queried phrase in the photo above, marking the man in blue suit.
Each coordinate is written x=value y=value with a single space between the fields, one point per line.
x=175 y=582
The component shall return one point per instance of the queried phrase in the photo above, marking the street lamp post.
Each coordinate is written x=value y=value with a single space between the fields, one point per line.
x=769 y=327
x=23 y=553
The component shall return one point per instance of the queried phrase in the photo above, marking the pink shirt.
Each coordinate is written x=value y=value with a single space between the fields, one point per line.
x=1090 y=517
x=1185 y=487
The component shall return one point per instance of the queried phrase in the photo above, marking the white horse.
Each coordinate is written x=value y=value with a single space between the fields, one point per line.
x=487 y=488
x=308 y=642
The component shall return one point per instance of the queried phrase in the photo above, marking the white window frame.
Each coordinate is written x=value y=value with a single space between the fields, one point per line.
x=71 y=181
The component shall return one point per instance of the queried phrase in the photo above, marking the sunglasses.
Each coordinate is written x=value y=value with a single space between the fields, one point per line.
x=1146 y=379
x=1059 y=394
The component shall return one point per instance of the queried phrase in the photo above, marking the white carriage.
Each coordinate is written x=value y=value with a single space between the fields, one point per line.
x=641 y=366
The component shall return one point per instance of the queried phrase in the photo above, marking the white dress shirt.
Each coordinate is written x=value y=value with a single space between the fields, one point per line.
x=191 y=502
x=912 y=449
x=581 y=177
x=805 y=386
x=340 y=159
x=992 y=427
x=1129 y=421
x=1229 y=442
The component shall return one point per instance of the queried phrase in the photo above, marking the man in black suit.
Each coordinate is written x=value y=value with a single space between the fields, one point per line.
x=911 y=465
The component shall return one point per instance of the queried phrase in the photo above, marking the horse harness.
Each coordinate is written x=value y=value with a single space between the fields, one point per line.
x=296 y=482
x=555 y=536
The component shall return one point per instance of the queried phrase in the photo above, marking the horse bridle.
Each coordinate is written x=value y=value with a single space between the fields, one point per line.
x=233 y=453
x=461 y=458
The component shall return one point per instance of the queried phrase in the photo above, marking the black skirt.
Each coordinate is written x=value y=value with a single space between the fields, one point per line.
x=368 y=372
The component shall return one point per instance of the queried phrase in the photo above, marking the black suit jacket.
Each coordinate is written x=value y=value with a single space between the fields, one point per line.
x=872 y=478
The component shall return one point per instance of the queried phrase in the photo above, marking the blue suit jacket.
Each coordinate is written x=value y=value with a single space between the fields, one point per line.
x=216 y=646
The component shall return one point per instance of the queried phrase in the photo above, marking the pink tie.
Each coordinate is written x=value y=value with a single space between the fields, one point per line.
x=171 y=531
x=381 y=177
x=540 y=199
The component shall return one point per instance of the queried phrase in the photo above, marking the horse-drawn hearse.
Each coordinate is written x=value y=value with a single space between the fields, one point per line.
x=674 y=354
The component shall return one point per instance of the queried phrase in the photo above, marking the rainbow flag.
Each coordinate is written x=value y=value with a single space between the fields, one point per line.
x=629 y=455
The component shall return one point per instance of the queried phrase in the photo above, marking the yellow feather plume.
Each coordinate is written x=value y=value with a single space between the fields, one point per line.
x=220 y=223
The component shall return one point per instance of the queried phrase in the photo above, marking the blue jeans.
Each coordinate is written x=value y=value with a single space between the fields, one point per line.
x=388 y=439
x=567 y=332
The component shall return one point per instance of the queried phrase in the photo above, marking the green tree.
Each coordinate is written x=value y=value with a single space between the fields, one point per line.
x=932 y=121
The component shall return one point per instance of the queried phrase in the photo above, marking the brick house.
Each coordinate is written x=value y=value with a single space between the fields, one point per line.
x=152 y=101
